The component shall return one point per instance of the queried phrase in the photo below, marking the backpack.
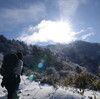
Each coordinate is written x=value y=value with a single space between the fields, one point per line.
x=10 y=61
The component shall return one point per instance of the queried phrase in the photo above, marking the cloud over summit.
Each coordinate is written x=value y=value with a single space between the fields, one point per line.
x=45 y=31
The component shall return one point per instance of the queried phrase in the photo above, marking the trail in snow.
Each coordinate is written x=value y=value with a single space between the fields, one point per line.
x=34 y=90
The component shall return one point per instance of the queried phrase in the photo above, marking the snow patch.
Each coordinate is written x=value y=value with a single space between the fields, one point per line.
x=35 y=90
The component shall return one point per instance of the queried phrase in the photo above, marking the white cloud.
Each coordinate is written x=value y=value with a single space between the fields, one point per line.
x=87 y=36
x=81 y=31
x=58 y=32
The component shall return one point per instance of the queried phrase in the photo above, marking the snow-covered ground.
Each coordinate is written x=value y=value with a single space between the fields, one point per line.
x=34 y=90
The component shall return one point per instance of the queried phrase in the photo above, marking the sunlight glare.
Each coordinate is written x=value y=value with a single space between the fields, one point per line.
x=51 y=31
x=56 y=31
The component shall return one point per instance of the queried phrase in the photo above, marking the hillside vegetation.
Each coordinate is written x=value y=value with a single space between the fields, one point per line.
x=74 y=64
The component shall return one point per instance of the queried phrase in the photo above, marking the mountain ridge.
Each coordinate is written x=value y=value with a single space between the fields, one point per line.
x=80 y=52
x=84 y=54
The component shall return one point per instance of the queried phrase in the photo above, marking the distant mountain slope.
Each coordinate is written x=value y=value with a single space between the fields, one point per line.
x=11 y=46
x=66 y=59
x=83 y=53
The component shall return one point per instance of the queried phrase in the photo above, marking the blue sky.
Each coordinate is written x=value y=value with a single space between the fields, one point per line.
x=50 y=21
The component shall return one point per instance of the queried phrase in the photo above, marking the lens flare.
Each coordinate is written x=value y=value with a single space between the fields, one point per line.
x=40 y=65
x=30 y=77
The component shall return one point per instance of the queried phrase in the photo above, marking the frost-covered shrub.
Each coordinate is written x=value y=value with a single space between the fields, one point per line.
x=50 y=80
x=80 y=81
x=96 y=85
x=86 y=80
x=51 y=71
x=29 y=72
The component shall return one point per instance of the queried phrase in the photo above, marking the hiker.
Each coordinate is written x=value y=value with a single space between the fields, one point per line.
x=18 y=69
x=10 y=71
